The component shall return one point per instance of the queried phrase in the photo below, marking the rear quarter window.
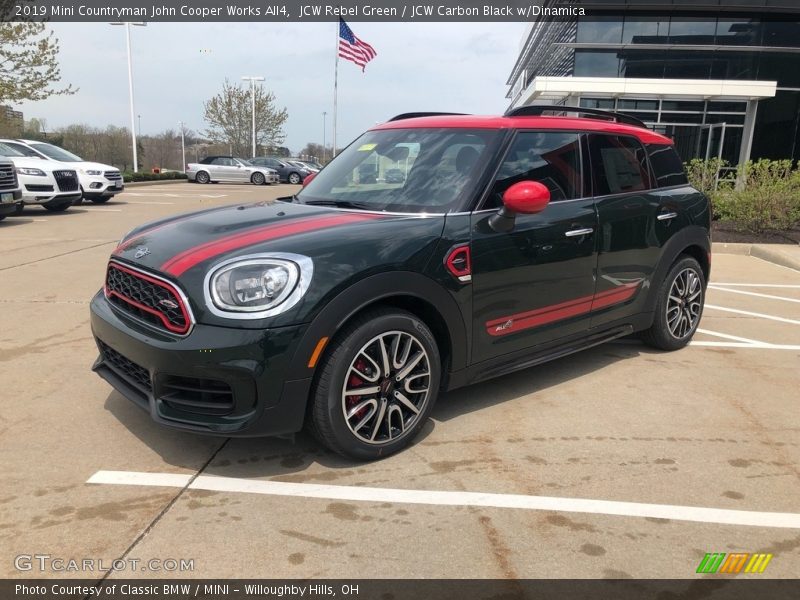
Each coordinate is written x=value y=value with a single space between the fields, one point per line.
x=619 y=165
x=667 y=165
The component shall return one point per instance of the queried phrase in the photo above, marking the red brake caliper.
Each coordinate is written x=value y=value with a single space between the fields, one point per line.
x=356 y=381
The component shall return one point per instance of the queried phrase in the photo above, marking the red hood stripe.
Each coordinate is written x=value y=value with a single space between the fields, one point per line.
x=191 y=257
x=138 y=236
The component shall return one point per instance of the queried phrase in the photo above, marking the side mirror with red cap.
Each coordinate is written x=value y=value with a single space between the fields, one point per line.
x=524 y=197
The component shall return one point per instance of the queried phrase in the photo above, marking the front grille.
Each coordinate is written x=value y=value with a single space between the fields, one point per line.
x=67 y=180
x=8 y=176
x=149 y=299
x=194 y=395
x=113 y=175
x=134 y=374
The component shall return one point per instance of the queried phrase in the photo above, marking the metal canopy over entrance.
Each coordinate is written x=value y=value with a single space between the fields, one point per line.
x=706 y=118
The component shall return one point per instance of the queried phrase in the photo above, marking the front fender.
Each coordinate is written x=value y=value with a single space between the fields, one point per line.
x=369 y=291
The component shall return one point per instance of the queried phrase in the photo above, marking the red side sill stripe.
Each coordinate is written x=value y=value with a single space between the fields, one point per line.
x=182 y=262
x=558 y=312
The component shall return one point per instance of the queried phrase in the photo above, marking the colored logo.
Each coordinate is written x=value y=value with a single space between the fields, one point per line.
x=736 y=562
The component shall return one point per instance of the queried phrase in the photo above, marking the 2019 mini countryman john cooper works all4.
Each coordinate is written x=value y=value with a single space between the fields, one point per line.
x=350 y=306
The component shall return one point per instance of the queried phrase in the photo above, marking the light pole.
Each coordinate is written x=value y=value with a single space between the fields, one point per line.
x=324 y=131
x=130 y=88
x=252 y=79
x=139 y=130
x=183 y=147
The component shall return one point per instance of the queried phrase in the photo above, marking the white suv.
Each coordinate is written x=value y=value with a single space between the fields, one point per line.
x=49 y=183
x=99 y=182
x=10 y=194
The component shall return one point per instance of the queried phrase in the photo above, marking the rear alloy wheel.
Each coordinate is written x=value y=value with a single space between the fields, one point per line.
x=679 y=307
x=376 y=385
x=257 y=179
x=294 y=178
x=61 y=207
x=202 y=177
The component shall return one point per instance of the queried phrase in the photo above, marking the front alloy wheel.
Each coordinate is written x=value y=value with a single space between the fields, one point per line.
x=386 y=387
x=257 y=179
x=376 y=385
x=294 y=178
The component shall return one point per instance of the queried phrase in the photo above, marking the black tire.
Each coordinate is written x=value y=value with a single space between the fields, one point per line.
x=78 y=201
x=60 y=207
x=670 y=331
x=20 y=209
x=2 y=217
x=202 y=177
x=258 y=179
x=294 y=178
x=327 y=421
x=101 y=199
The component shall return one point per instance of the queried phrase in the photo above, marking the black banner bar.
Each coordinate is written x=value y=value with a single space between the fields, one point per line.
x=711 y=588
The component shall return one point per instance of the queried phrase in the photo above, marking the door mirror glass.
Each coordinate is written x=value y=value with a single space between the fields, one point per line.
x=526 y=197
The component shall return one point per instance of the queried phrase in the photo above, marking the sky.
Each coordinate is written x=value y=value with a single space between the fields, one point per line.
x=459 y=67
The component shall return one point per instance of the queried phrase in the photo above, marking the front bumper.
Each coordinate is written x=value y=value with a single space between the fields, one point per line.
x=151 y=368
x=100 y=187
x=9 y=206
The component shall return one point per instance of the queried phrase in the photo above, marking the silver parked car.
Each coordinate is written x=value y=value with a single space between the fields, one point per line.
x=230 y=169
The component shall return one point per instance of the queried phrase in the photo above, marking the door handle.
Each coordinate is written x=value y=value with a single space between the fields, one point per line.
x=579 y=232
x=667 y=216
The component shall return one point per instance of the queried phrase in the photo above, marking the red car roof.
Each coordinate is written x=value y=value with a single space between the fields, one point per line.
x=646 y=136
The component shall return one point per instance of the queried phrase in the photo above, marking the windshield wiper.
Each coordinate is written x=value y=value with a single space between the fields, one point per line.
x=342 y=204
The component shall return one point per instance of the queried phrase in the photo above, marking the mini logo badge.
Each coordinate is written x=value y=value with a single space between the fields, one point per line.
x=167 y=303
x=141 y=252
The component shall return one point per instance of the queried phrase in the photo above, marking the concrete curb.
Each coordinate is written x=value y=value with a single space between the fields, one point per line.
x=143 y=183
x=787 y=255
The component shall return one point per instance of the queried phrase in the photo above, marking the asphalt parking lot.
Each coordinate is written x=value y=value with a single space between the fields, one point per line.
x=592 y=466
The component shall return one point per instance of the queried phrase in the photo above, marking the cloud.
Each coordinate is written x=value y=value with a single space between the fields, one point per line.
x=420 y=66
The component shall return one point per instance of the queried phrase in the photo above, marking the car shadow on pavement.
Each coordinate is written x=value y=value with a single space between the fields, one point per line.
x=294 y=455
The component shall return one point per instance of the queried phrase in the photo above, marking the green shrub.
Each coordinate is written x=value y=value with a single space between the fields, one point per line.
x=129 y=176
x=765 y=195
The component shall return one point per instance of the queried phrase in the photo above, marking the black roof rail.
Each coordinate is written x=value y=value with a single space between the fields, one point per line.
x=535 y=110
x=414 y=115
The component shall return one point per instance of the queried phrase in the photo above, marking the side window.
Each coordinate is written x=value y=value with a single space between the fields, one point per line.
x=667 y=165
x=619 y=165
x=220 y=162
x=551 y=158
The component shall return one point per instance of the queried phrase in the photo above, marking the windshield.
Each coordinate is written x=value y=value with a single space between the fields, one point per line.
x=55 y=152
x=6 y=150
x=438 y=169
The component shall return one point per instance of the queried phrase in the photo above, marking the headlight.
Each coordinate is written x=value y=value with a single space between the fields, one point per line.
x=92 y=172
x=259 y=285
x=27 y=171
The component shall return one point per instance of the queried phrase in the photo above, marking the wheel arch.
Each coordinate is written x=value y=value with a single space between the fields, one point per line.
x=693 y=241
x=407 y=291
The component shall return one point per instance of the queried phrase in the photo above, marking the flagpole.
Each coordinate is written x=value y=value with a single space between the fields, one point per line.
x=335 y=88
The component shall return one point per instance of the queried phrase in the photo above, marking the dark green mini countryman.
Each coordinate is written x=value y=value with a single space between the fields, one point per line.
x=435 y=251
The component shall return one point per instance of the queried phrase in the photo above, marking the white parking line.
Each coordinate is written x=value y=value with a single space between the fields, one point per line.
x=764 y=346
x=449 y=498
x=758 y=285
x=752 y=314
x=756 y=294
x=159 y=203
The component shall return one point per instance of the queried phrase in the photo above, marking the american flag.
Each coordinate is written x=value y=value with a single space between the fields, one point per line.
x=353 y=49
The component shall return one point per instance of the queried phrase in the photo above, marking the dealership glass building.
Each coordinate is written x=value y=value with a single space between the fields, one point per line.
x=721 y=77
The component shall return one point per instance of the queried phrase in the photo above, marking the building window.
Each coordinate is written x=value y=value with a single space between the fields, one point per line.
x=599 y=30
x=602 y=103
x=590 y=63
x=687 y=30
x=645 y=30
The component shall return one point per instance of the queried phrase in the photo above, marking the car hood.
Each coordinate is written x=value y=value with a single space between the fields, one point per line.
x=93 y=166
x=180 y=244
x=344 y=246
x=38 y=163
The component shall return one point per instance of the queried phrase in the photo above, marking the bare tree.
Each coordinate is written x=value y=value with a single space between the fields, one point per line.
x=229 y=118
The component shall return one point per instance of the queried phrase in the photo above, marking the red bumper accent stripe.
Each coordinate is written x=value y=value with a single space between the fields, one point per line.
x=187 y=259
x=558 y=312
